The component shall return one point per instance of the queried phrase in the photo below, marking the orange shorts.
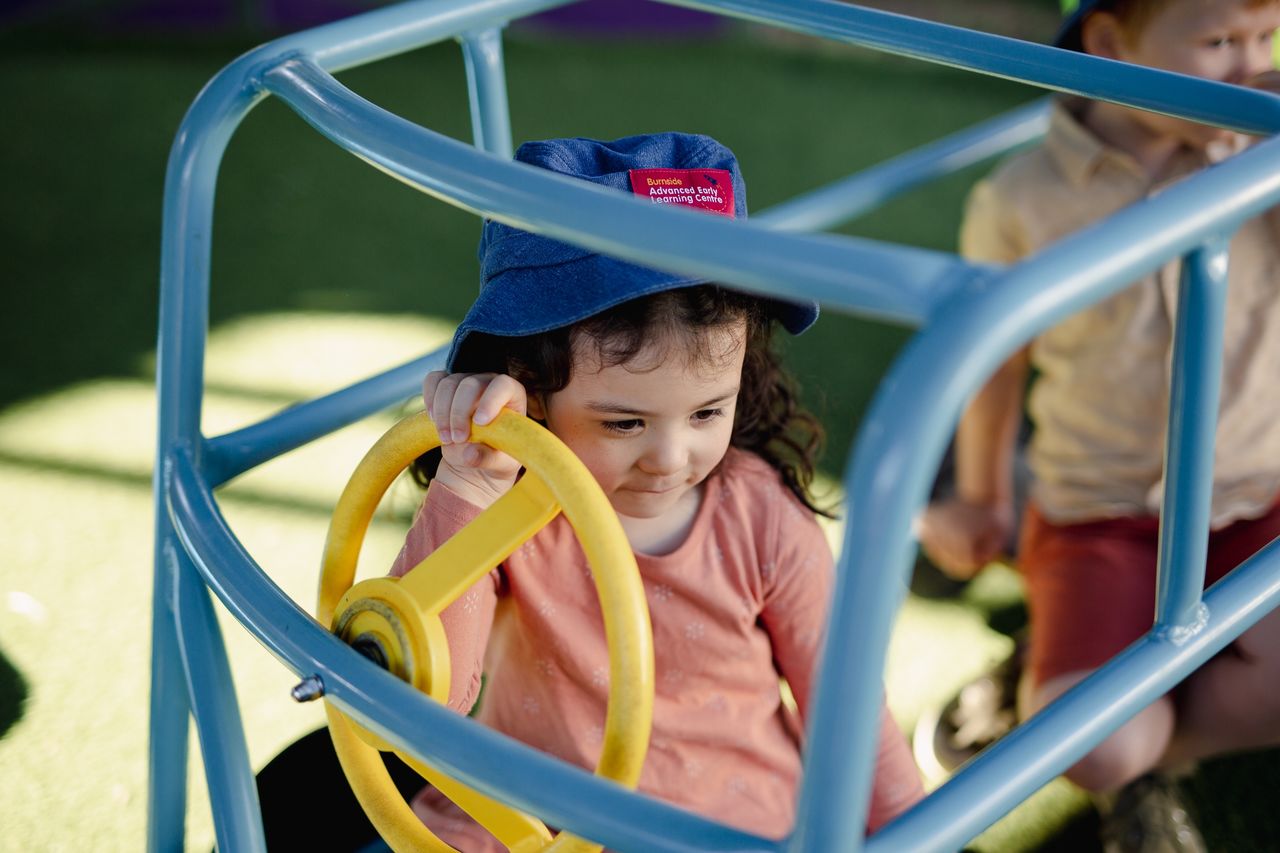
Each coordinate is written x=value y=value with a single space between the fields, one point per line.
x=1091 y=587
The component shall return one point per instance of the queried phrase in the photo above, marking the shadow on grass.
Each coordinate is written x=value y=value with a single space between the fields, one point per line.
x=1234 y=799
x=241 y=495
x=306 y=780
x=13 y=695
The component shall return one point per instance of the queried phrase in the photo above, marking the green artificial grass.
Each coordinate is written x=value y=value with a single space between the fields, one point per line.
x=301 y=225
x=325 y=270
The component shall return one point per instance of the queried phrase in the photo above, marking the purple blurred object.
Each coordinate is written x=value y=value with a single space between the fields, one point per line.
x=599 y=18
x=626 y=17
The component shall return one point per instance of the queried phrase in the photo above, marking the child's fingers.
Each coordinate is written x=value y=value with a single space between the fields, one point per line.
x=502 y=392
x=959 y=538
x=450 y=395
x=456 y=400
x=1268 y=81
x=466 y=394
x=437 y=393
x=429 y=384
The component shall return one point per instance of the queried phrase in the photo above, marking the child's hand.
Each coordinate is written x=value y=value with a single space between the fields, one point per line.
x=454 y=401
x=961 y=537
x=1267 y=81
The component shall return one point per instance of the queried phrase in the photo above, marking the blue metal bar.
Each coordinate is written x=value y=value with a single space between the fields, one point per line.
x=857 y=194
x=1246 y=110
x=905 y=431
x=398 y=28
x=184 y=295
x=1056 y=737
x=487 y=91
x=169 y=720
x=564 y=795
x=987 y=315
x=233 y=794
x=184 y=282
x=197 y=153
x=230 y=455
x=890 y=282
x=1193 y=421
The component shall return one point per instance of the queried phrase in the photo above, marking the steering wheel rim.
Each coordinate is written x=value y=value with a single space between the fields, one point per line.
x=554 y=481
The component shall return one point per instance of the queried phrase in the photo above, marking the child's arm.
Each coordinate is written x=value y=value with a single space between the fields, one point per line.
x=470 y=478
x=797 y=596
x=963 y=533
x=468 y=620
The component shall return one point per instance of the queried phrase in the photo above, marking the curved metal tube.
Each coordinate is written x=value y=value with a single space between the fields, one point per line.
x=972 y=317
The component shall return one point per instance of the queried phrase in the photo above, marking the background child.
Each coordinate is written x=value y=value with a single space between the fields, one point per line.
x=1089 y=536
x=670 y=393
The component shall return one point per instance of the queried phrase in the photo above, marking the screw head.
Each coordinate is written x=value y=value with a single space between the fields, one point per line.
x=308 y=689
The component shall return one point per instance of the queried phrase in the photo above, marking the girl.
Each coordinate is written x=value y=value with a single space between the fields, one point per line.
x=668 y=390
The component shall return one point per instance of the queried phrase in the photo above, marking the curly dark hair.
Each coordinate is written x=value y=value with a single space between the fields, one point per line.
x=769 y=421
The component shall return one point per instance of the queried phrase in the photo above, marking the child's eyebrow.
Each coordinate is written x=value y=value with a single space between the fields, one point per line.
x=608 y=407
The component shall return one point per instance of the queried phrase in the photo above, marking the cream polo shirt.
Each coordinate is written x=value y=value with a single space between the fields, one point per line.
x=1100 y=401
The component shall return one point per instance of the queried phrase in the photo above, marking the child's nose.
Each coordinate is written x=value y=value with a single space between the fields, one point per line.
x=666 y=455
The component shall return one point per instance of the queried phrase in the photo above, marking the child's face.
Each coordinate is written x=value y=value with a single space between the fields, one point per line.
x=652 y=429
x=1224 y=40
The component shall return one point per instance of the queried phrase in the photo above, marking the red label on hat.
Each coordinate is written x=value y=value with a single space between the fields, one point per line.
x=704 y=189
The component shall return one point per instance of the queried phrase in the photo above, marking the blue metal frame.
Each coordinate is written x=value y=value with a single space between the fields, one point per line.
x=970 y=317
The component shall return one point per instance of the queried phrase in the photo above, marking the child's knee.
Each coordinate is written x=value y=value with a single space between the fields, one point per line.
x=1253 y=697
x=1129 y=752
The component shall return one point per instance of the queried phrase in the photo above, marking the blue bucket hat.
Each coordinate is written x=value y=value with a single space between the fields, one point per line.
x=1076 y=11
x=531 y=284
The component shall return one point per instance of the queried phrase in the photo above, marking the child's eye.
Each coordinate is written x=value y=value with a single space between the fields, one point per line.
x=703 y=415
x=629 y=425
x=1220 y=41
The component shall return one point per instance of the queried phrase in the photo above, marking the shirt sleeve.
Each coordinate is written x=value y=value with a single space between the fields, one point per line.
x=897 y=786
x=468 y=620
x=798 y=576
x=797 y=596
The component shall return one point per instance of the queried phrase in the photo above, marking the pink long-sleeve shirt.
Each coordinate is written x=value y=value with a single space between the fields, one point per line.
x=742 y=601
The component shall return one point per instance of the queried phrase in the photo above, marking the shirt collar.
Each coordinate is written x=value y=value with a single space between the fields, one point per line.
x=1079 y=153
x=1075 y=149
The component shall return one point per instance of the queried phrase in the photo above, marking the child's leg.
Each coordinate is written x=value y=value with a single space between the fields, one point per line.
x=1232 y=702
x=1090 y=593
x=1130 y=751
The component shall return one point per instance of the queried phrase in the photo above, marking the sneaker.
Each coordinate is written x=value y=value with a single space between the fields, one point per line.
x=984 y=711
x=1148 y=816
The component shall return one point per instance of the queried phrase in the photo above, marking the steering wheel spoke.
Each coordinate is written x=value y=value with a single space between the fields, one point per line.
x=517 y=830
x=478 y=548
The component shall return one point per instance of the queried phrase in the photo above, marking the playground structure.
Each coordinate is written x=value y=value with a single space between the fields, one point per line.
x=969 y=318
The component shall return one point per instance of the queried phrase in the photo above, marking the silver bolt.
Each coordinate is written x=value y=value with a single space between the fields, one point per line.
x=308 y=689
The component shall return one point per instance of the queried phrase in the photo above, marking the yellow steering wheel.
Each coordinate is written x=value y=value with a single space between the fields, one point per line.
x=396 y=621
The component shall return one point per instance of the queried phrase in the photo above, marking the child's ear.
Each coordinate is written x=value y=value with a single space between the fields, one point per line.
x=1102 y=34
x=537 y=410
